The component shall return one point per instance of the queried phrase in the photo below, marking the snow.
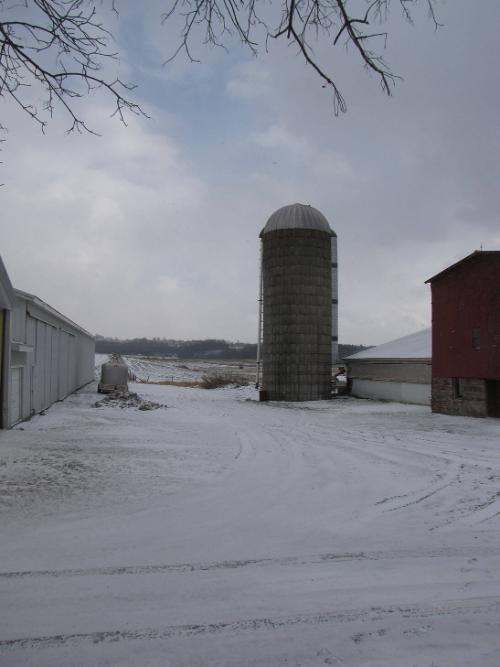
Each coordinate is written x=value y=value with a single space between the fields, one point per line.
x=160 y=369
x=415 y=346
x=221 y=531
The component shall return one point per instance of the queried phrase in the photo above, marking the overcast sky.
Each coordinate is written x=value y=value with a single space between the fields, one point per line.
x=152 y=229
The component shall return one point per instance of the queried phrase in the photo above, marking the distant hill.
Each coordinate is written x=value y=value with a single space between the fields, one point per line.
x=191 y=349
x=184 y=349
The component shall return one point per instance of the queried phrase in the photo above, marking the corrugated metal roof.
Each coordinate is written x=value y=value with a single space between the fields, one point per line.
x=297 y=216
x=417 y=345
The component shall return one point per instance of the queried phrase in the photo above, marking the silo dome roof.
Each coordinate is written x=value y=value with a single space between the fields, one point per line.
x=297 y=216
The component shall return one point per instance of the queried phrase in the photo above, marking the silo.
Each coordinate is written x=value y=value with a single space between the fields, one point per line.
x=298 y=283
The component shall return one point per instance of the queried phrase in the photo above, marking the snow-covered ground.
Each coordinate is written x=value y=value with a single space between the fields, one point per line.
x=159 y=369
x=220 y=531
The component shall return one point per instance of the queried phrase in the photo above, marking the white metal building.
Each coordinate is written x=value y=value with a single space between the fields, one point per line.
x=7 y=299
x=45 y=356
x=396 y=371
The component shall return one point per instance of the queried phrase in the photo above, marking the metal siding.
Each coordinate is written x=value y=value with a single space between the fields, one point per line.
x=16 y=386
x=41 y=363
x=418 y=372
x=401 y=392
x=86 y=360
x=30 y=331
x=5 y=378
x=73 y=354
x=63 y=365
x=35 y=374
x=54 y=368
x=73 y=379
x=60 y=361
x=466 y=297
x=38 y=368
x=18 y=322
x=30 y=365
x=44 y=390
x=47 y=362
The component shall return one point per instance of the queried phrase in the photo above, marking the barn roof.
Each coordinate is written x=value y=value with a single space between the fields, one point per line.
x=474 y=255
x=297 y=216
x=417 y=345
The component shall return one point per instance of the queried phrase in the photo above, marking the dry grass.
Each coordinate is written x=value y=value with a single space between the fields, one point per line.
x=209 y=380
x=216 y=379
x=179 y=383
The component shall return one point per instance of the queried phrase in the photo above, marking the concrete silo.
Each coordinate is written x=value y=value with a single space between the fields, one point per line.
x=298 y=305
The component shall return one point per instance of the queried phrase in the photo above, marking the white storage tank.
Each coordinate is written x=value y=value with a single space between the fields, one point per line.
x=114 y=375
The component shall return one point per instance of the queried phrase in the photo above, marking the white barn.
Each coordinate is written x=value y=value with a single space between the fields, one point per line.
x=396 y=371
x=45 y=356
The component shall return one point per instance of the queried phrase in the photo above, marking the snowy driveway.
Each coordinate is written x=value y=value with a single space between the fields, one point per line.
x=225 y=532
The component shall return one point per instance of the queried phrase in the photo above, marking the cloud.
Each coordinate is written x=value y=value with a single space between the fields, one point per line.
x=249 y=80
x=87 y=216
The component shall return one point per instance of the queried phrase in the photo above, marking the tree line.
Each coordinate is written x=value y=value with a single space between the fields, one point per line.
x=190 y=349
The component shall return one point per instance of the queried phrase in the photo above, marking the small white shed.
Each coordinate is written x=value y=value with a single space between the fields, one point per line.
x=396 y=371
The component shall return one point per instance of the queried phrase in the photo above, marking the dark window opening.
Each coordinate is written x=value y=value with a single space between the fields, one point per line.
x=476 y=338
x=457 y=388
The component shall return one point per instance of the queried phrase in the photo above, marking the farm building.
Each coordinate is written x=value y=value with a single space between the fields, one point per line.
x=45 y=356
x=396 y=371
x=298 y=305
x=6 y=302
x=466 y=336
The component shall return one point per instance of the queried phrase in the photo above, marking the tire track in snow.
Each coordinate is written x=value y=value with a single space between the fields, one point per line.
x=187 y=567
x=316 y=559
x=421 y=499
x=461 y=607
x=446 y=476
x=454 y=468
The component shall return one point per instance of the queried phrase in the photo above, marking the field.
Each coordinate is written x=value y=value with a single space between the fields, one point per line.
x=164 y=369
x=219 y=531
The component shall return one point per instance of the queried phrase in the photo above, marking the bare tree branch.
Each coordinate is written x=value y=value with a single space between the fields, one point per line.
x=300 y=22
x=59 y=47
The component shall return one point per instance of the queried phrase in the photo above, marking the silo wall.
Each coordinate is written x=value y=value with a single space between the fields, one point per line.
x=297 y=307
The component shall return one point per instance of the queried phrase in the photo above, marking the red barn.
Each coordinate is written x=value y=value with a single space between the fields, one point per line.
x=466 y=336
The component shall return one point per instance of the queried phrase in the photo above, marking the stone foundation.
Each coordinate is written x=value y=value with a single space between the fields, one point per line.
x=472 y=403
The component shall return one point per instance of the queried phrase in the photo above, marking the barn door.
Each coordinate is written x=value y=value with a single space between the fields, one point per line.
x=45 y=368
